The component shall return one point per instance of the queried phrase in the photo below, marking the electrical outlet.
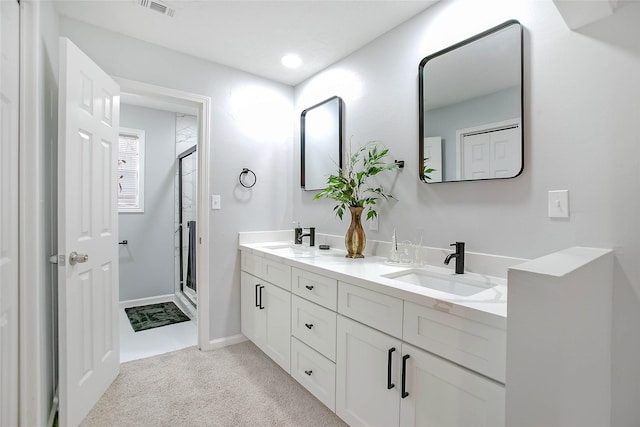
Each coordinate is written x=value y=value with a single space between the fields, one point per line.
x=373 y=223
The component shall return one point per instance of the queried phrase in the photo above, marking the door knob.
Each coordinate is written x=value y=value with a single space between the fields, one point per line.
x=75 y=258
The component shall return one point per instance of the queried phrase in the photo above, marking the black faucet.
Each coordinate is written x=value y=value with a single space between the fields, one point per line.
x=299 y=235
x=458 y=255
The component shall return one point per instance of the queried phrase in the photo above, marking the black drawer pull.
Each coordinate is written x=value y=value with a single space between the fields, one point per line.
x=309 y=372
x=404 y=376
x=261 y=306
x=257 y=303
x=309 y=325
x=390 y=385
x=309 y=287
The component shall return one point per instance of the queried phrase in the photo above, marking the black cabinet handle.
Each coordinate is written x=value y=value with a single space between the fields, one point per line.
x=261 y=307
x=404 y=376
x=309 y=325
x=390 y=385
x=257 y=303
x=309 y=372
x=309 y=287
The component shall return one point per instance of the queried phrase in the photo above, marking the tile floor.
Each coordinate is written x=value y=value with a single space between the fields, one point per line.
x=138 y=345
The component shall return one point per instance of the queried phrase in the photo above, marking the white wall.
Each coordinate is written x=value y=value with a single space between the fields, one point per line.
x=250 y=127
x=147 y=261
x=582 y=101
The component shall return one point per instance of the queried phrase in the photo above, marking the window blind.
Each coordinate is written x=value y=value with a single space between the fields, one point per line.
x=129 y=176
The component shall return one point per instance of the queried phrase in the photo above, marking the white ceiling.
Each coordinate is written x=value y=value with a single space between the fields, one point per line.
x=253 y=35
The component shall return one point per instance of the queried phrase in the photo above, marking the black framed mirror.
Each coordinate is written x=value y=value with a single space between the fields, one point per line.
x=471 y=108
x=320 y=143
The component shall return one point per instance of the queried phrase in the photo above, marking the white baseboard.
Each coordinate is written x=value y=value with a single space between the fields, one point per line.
x=146 y=301
x=223 y=342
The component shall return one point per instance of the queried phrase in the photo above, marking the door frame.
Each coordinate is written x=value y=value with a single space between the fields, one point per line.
x=34 y=267
x=203 y=106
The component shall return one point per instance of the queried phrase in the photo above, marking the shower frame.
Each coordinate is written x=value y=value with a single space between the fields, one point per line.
x=182 y=156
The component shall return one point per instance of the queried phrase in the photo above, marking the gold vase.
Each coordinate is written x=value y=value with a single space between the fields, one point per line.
x=355 y=240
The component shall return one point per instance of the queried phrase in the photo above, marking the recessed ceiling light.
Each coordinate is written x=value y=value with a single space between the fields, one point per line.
x=291 y=60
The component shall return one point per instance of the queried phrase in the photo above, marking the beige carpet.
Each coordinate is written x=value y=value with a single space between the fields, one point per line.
x=234 y=386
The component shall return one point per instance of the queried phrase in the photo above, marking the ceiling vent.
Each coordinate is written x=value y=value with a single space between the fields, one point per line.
x=156 y=6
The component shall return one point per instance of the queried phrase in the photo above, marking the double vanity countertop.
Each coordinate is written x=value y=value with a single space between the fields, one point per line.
x=473 y=296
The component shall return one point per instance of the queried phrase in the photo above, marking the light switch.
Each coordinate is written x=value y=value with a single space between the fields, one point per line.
x=215 y=201
x=559 y=204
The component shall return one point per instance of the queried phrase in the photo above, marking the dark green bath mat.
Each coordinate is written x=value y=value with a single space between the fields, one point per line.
x=154 y=315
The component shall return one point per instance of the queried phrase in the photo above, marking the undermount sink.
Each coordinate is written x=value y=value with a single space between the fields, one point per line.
x=454 y=284
x=278 y=246
x=297 y=251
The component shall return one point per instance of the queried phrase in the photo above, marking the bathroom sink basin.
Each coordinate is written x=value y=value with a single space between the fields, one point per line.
x=277 y=246
x=298 y=251
x=454 y=284
x=291 y=250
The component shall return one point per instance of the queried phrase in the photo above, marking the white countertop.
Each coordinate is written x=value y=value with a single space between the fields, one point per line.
x=487 y=306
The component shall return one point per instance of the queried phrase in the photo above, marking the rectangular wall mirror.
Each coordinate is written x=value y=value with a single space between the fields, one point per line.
x=471 y=108
x=320 y=143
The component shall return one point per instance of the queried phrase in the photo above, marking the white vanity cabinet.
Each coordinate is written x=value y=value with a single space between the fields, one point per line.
x=376 y=358
x=266 y=311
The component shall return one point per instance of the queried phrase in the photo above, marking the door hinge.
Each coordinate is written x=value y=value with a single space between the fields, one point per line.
x=57 y=259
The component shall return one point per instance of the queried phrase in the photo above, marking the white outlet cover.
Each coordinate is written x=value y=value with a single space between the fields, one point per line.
x=559 y=204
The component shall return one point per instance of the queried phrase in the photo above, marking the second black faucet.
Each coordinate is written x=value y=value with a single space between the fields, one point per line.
x=458 y=255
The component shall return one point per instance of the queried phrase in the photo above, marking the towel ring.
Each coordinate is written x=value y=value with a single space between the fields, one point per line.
x=244 y=172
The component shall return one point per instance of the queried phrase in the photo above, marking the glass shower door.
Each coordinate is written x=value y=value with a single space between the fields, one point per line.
x=187 y=203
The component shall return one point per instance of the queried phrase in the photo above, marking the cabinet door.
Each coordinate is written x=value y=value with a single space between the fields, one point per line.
x=362 y=367
x=441 y=393
x=277 y=320
x=250 y=308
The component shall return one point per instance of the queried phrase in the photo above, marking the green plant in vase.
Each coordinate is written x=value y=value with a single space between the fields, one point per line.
x=352 y=190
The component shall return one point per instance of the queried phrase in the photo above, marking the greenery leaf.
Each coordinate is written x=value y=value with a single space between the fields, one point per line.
x=350 y=187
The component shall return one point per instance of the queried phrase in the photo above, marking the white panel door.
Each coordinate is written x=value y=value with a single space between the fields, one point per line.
x=89 y=109
x=441 y=393
x=476 y=160
x=495 y=154
x=506 y=152
x=9 y=79
x=366 y=395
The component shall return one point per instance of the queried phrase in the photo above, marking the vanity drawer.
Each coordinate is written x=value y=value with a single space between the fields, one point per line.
x=374 y=309
x=314 y=325
x=315 y=372
x=251 y=263
x=474 y=345
x=277 y=273
x=314 y=287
